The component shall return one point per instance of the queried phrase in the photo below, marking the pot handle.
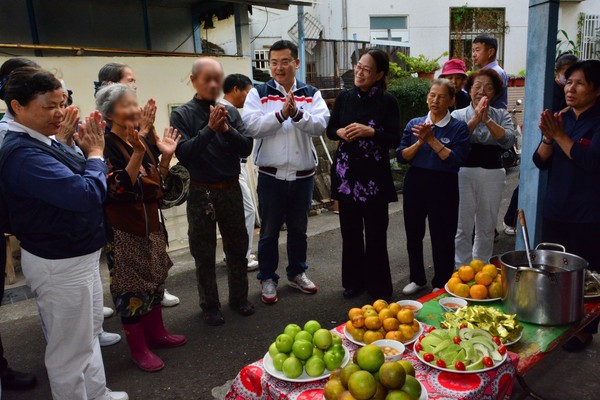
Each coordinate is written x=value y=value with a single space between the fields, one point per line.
x=551 y=246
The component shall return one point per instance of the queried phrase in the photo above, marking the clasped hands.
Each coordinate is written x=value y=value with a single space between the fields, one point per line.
x=551 y=125
x=354 y=131
x=289 y=107
x=423 y=132
x=217 y=120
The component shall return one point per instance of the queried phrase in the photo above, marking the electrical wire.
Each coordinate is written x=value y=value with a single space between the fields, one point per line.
x=264 y=27
x=186 y=39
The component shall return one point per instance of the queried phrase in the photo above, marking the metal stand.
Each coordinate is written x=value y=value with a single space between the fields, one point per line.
x=528 y=392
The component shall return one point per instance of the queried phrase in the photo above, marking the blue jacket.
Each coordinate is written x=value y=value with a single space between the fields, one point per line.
x=454 y=135
x=574 y=185
x=53 y=200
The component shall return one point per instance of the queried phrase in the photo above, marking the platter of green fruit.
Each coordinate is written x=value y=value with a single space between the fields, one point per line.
x=462 y=351
x=305 y=354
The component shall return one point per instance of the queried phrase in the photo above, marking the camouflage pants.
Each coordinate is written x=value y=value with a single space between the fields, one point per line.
x=202 y=232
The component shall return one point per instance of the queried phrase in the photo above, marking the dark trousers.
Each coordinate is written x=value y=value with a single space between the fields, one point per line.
x=202 y=232
x=365 y=262
x=510 y=218
x=282 y=201
x=3 y=362
x=579 y=239
x=433 y=196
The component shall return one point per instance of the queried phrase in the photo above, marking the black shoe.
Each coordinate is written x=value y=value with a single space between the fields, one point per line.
x=352 y=293
x=244 y=308
x=15 y=380
x=576 y=344
x=213 y=317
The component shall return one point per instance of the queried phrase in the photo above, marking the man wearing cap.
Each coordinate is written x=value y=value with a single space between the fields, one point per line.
x=456 y=71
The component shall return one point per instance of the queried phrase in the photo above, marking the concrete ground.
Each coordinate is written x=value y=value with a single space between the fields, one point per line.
x=213 y=356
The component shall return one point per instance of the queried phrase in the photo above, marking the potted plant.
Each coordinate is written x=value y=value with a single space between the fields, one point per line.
x=517 y=80
x=423 y=66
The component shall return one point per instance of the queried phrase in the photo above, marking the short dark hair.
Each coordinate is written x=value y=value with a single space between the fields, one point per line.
x=565 y=59
x=490 y=73
x=9 y=66
x=590 y=69
x=284 y=44
x=111 y=72
x=490 y=42
x=382 y=63
x=447 y=83
x=239 y=81
x=25 y=83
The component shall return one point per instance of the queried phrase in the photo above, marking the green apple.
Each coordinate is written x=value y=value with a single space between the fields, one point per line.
x=322 y=339
x=315 y=366
x=318 y=353
x=278 y=361
x=273 y=351
x=339 y=349
x=312 y=326
x=332 y=360
x=292 y=368
x=284 y=343
x=302 y=349
x=335 y=339
x=292 y=330
x=303 y=335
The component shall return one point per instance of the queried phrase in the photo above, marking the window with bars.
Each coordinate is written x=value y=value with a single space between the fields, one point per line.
x=466 y=23
x=261 y=59
x=589 y=46
x=389 y=30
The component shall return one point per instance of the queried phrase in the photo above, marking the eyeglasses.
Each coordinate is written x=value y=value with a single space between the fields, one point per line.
x=485 y=88
x=283 y=64
x=365 y=70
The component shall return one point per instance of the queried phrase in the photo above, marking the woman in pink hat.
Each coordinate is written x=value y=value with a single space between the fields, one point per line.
x=456 y=71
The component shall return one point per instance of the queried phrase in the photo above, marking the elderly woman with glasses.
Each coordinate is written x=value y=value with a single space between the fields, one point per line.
x=435 y=146
x=481 y=178
x=365 y=121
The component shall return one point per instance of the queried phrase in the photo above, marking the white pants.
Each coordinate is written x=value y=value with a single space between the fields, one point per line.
x=480 y=197
x=249 y=210
x=68 y=293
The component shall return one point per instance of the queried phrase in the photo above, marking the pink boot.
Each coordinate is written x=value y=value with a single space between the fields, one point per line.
x=156 y=333
x=140 y=354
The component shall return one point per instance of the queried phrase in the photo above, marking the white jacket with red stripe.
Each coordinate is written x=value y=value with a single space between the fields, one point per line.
x=285 y=144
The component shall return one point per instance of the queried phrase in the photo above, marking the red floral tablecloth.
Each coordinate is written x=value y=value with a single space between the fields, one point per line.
x=254 y=383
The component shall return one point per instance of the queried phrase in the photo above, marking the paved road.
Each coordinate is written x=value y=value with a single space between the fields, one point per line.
x=213 y=356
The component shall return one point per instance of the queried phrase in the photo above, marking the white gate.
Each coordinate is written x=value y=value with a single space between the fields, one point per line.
x=590 y=37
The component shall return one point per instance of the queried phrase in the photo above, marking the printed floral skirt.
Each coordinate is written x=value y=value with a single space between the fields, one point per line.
x=138 y=269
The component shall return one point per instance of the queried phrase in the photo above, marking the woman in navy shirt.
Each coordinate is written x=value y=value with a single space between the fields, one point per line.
x=435 y=146
x=570 y=152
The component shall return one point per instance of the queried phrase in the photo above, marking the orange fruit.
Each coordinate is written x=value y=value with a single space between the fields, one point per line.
x=359 y=334
x=452 y=282
x=371 y=336
x=462 y=290
x=394 y=308
x=380 y=305
x=370 y=313
x=455 y=275
x=416 y=326
x=349 y=327
x=478 y=292
x=495 y=290
x=367 y=307
x=391 y=324
x=406 y=316
x=407 y=332
x=354 y=312
x=483 y=278
x=477 y=265
x=491 y=270
x=466 y=273
x=385 y=314
x=373 y=323
x=358 y=321
x=391 y=335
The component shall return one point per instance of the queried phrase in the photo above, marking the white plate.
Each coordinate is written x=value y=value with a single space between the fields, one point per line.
x=424 y=395
x=496 y=365
x=514 y=341
x=270 y=368
x=469 y=298
x=414 y=338
x=591 y=296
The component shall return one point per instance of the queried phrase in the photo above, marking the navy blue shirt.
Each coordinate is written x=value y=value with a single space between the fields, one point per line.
x=55 y=212
x=573 y=190
x=454 y=135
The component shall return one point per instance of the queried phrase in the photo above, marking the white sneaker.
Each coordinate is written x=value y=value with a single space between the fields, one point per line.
x=110 y=395
x=509 y=230
x=411 y=288
x=108 y=312
x=108 y=339
x=252 y=263
x=303 y=284
x=169 y=300
x=269 y=292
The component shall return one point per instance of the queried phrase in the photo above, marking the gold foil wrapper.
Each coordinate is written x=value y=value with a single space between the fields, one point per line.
x=490 y=319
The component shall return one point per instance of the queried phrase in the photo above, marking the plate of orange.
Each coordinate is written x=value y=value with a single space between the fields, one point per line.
x=476 y=282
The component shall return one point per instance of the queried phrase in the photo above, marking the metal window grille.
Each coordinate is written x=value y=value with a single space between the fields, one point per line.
x=261 y=59
x=589 y=45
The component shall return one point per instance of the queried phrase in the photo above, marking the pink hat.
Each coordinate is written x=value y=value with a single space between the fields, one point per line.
x=454 y=66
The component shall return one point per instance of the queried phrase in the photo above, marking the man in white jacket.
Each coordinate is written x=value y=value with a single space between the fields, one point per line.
x=283 y=116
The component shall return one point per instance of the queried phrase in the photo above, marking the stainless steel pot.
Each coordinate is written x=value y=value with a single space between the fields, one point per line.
x=549 y=293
